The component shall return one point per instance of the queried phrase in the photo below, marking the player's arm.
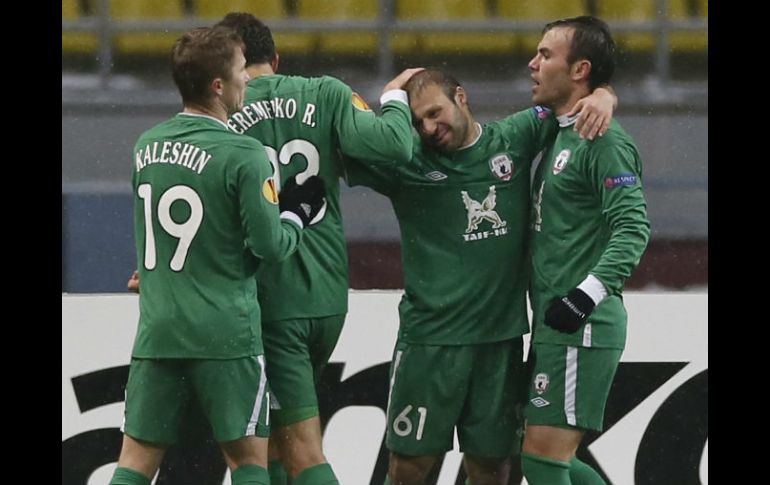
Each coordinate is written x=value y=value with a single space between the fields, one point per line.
x=271 y=234
x=614 y=173
x=595 y=112
x=364 y=135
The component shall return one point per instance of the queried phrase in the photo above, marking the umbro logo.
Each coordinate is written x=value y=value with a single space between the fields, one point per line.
x=539 y=402
x=436 y=175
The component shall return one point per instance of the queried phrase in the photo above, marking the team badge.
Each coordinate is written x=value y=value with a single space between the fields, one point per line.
x=502 y=166
x=561 y=161
x=541 y=383
x=359 y=102
x=269 y=192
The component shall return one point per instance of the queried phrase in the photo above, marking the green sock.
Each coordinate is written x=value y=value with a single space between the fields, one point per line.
x=278 y=474
x=539 y=470
x=127 y=476
x=316 y=475
x=582 y=474
x=250 y=475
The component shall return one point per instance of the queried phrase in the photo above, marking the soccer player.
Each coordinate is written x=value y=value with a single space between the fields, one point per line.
x=589 y=230
x=462 y=205
x=307 y=126
x=206 y=215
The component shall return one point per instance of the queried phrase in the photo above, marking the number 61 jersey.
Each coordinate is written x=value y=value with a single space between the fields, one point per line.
x=307 y=126
x=205 y=216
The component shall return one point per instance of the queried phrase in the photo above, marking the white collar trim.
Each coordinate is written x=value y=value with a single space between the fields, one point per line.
x=475 y=139
x=206 y=116
x=565 y=120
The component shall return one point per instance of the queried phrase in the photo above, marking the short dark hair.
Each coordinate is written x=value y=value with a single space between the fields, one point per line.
x=260 y=46
x=200 y=56
x=592 y=41
x=431 y=75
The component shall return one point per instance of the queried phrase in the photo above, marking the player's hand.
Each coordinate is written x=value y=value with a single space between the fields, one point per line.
x=400 y=81
x=595 y=112
x=567 y=314
x=133 y=282
x=304 y=200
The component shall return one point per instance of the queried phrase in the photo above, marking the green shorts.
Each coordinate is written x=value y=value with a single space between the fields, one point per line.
x=474 y=388
x=569 y=385
x=232 y=394
x=297 y=352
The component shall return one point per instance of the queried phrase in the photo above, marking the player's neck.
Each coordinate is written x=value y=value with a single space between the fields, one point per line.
x=571 y=101
x=256 y=70
x=211 y=111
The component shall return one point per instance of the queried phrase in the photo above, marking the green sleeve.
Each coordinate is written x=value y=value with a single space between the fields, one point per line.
x=530 y=130
x=364 y=135
x=380 y=177
x=267 y=235
x=614 y=172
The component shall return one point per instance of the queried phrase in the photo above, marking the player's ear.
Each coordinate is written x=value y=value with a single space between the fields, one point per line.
x=461 y=99
x=216 y=86
x=274 y=63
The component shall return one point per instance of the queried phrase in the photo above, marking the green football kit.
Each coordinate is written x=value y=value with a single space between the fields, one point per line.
x=588 y=220
x=463 y=219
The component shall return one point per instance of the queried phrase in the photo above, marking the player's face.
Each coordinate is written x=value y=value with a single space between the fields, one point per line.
x=550 y=70
x=234 y=89
x=441 y=123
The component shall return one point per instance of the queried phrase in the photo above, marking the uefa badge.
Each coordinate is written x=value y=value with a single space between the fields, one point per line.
x=561 y=161
x=502 y=166
x=541 y=383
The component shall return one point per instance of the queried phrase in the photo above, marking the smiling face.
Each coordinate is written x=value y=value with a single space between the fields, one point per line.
x=551 y=71
x=442 y=123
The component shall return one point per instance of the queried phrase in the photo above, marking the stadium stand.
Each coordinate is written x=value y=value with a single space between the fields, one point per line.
x=146 y=42
x=76 y=42
x=543 y=11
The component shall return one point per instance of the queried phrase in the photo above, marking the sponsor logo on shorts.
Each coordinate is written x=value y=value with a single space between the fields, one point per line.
x=541 y=383
x=539 y=402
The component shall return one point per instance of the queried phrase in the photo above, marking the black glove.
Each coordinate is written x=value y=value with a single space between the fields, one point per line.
x=570 y=312
x=303 y=200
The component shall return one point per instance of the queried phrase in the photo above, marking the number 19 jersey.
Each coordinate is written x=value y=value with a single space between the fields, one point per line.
x=205 y=215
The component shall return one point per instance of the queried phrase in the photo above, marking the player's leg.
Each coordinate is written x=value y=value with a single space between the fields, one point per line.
x=156 y=395
x=490 y=427
x=428 y=388
x=297 y=351
x=233 y=395
x=569 y=390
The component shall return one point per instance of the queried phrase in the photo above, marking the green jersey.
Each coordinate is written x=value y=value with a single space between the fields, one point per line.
x=307 y=125
x=205 y=216
x=589 y=216
x=463 y=218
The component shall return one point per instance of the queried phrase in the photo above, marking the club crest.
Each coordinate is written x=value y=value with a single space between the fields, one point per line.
x=561 y=161
x=502 y=166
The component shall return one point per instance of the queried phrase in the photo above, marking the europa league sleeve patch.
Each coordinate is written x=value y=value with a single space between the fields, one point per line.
x=268 y=190
x=359 y=102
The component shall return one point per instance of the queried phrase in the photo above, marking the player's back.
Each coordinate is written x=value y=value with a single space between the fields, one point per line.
x=196 y=274
x=297 y=119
